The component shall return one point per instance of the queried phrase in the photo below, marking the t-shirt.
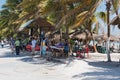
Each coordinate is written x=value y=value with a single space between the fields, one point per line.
x=66 y=48
x=34 y=43
x=17 y=43
x=2 y=42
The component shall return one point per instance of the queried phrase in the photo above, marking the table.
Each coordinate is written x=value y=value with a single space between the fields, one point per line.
x=57 y=52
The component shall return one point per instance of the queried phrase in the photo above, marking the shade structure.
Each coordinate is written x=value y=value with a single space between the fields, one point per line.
x=115 y=21
x=43 y=24
x=99 y=37
x=37 y=23
x=104 y=37
x=86 y=35
x=25 y=25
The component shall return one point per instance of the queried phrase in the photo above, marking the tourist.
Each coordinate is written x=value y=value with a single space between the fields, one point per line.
x=66 y=48
x=87 y=50
x=2 y=43
x=17 y=46
x=33 y=42
x=43 y=48
x=12 y=44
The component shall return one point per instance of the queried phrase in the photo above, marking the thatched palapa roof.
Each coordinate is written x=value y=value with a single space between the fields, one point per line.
x=39 y=23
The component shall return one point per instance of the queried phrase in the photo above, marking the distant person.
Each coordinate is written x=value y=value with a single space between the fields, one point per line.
x=87 y=50
x=33 y=42
x=76 y=47
x=66 y=48
x=43 y=47
x=24 y=42
x=42 y=35
x=12 y=44
x=113 y=47
x=17 y=46
x=21 y=45
x=2 y=43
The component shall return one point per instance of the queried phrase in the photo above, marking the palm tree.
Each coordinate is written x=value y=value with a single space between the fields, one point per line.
x=29 y=9
x=63 y=8
x=79 y=9
x=104 y=16
x=8 y=15
x=69 y=10
x=116 y=5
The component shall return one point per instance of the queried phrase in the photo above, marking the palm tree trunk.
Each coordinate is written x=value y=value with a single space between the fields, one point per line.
x=67 y=33
x=60 y=33
x=108 y=43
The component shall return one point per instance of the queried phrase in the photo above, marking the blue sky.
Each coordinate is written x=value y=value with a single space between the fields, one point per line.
x=1 y=3
x=114 y=29
x=102 y=7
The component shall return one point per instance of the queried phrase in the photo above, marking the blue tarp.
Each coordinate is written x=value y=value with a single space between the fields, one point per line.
x=25 y=24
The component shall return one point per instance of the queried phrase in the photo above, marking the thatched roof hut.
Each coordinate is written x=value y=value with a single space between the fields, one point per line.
x=104 y=37
x=43 y=24
x=116 y=21
x=37 y=23
x=81 y=36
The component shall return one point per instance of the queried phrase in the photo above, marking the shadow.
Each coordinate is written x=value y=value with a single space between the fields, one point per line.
x=70 y=60
x=103 y=64
x=6 y=53
x=5 y=46
x=54 y=62
x=40 y=60
x=26 y=57
x=9 y=54
x=101 y=71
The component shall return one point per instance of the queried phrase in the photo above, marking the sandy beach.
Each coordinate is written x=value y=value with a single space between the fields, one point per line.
x=23 y=67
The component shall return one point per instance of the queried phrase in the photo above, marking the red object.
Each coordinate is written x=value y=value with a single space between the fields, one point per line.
x=29 y=48
x=79 y=54
x=86 y=49
x=37 y=48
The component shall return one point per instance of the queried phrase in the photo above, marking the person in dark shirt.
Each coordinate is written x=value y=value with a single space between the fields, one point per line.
x=66 y=48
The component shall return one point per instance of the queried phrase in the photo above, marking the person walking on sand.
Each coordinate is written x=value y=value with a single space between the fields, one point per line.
x=2 y=43
x=17 y=46
x=66 y=48
x=43 y=48
x=33 y=45
x=12 y=44
x=87 y=50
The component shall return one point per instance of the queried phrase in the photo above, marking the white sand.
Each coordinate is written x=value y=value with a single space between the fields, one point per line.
x=23 y=67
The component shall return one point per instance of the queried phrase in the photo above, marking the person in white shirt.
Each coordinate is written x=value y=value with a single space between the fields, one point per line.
x=2 y=43
x=33 y=45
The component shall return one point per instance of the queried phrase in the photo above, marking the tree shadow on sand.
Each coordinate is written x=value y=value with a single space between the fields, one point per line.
x=40 y=60
x=9 y=54
x=26 y=57
x=101 y=71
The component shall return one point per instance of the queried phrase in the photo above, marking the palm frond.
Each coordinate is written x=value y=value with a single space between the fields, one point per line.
x=87 y=15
